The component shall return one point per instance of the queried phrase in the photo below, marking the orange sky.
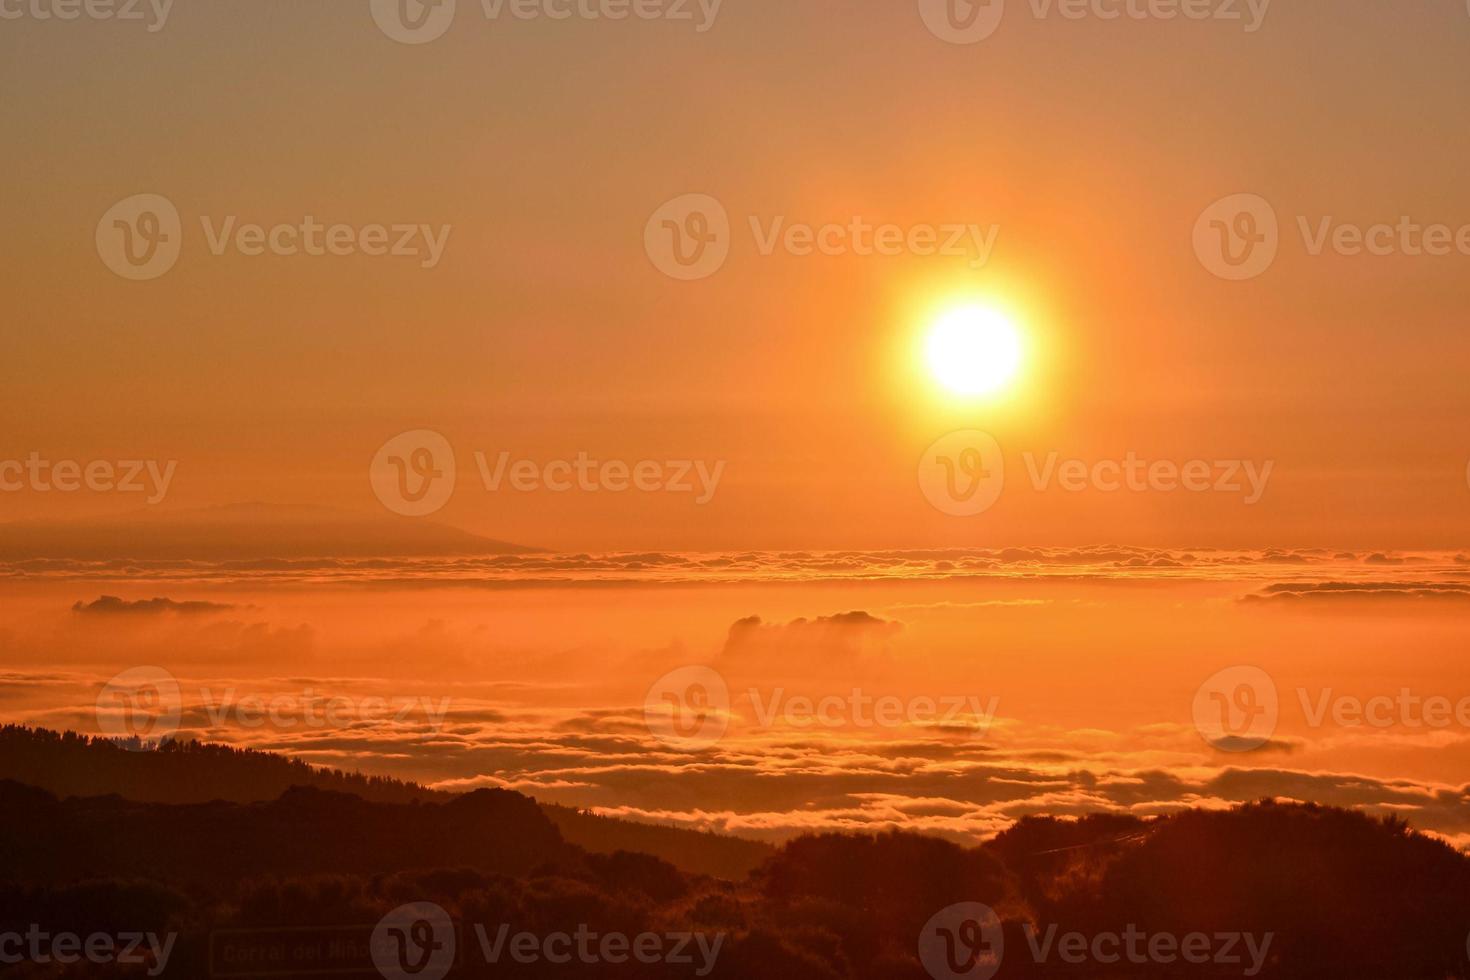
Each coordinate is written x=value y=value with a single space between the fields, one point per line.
x=546 y=330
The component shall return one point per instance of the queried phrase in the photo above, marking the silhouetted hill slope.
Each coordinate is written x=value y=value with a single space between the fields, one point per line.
x=1338 y=886
x=698 y=852
x=1337 y=894
x=44 y=840
x=69 y=764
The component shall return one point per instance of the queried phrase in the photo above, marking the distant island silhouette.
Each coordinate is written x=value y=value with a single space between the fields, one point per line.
x=243 y=532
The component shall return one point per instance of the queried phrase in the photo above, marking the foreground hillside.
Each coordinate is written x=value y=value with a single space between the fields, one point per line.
x=1268 y=890
x=69 y=764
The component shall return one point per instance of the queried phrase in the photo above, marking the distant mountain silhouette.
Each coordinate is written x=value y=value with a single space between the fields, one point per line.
x=243 y=532
x=69 y=764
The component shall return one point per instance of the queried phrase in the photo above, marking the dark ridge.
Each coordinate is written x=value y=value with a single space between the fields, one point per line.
x=185 y=772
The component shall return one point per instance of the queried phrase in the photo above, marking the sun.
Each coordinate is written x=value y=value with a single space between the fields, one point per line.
x=973 y=350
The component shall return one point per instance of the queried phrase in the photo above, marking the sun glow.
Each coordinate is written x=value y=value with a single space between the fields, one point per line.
x=973 y=350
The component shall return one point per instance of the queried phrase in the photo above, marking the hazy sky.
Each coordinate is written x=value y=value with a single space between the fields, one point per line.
x=545 y=330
